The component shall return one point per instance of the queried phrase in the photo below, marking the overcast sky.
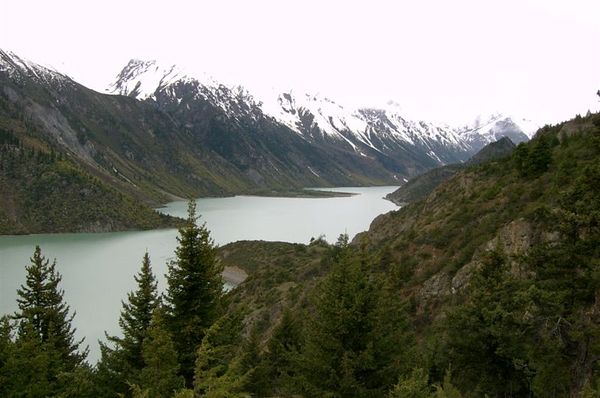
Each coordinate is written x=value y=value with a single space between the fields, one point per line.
x=440 y=60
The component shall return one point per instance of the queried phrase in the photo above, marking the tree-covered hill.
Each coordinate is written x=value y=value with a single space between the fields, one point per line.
x=422 y=185
x=44 y=191
x=489 y=286
x=496 y=270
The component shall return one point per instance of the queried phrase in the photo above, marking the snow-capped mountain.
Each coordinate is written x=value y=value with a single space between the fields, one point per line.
x=18 y=68
x=367 y=132
x=170 y=131
x=484 y=131
x=380 y=129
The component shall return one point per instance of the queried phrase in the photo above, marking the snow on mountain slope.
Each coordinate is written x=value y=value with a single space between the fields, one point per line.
x=317 y=118
x=146 y=79
x=381 y=129
x=487 y=130
x=16 y=66
x=142 y=79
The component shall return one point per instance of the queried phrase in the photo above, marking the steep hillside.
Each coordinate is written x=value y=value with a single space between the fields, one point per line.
x=422 y=185
x=172 y=135
x=497 y=270
x=386 y=144
x=43 y=191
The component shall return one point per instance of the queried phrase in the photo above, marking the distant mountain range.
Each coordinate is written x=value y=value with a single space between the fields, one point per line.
x=163 y=133
x=404 y=147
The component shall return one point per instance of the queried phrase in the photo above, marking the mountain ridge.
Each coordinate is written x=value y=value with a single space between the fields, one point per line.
x=183 y=137
x=318 y=118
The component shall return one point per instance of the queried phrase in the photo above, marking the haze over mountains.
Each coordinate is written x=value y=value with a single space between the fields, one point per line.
x=318 y=118
x=163 y=133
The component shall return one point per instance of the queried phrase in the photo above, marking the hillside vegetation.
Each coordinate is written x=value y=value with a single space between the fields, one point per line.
x=490 y=286
x=497 y=271
x=422 y=185
x=43 y=191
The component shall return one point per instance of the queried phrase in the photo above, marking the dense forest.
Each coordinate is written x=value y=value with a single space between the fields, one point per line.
x=489 y=286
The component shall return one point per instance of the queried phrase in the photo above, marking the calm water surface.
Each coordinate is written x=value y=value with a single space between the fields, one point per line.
x=98 y=269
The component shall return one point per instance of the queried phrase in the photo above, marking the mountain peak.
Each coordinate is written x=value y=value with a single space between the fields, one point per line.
x=14 y=65
x=142 y=79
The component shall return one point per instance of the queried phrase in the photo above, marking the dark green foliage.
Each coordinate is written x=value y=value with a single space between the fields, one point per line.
x=42 y=310
x=33 y=367
x=485 y=334
x=345 y=349
x=137 y=314
x=42 y=359
x=42 y=193
x=121 y=364
x=415 y=385
x=160 y=374
x=534 y=158
x=220 y=371
x=536 y=335
x=279 y=365
x=195 y=288
x=79 y=384
x=7 y=348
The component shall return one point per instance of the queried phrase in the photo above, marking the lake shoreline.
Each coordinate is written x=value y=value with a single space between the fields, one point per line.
x=98 y=269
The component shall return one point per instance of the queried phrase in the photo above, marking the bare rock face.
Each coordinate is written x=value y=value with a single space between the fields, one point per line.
x=463 y=275
x=514 y=239
x=436 y=286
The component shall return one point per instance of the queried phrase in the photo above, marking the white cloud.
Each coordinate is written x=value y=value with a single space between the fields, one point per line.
x=441 y=60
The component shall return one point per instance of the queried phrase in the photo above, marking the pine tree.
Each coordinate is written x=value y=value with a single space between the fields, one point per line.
x=121 y=364
x=137 y=314
x=416 y=385
x=33 y=367
x=160 y=373
x=338 y=356
x=195 y=288
x=41 y=307
x=278 y=367
x=7 y=347
x=218 y=369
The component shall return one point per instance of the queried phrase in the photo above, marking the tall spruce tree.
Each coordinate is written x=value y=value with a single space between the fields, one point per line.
x=344 y=352
x=194 y=292
x=122 y=363
x=159 y=377
x=338 y=358
x=278 y=367
x=7 y=347
x=43 y=311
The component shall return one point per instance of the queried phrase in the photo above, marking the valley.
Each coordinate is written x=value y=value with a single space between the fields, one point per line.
x=168 y=234
x=163 y=134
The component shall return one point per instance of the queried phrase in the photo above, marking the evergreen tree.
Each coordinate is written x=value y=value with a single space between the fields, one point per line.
x=43 y=311
x=219 y=369
x=6 y=352
x=159 y=377
x=279 y=366
x=416 y=385
x=33 y=367
x=195 y=288
x=249 y=361
x=121 y=364
x=338 y=357
x=136 y=315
